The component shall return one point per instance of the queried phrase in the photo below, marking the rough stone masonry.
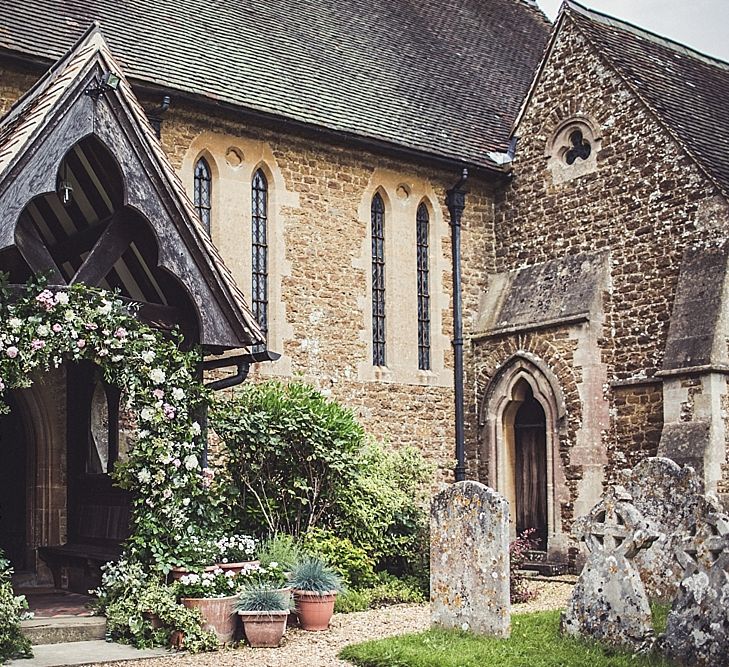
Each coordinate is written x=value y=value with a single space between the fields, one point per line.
x=469 y=560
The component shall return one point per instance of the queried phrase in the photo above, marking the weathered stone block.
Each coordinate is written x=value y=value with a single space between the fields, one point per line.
x=469 y=560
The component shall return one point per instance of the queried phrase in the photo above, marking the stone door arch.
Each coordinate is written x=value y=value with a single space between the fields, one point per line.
x=521 y=416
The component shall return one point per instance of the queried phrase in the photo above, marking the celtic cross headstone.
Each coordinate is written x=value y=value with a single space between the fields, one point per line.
x=609 y=602
x=697 y=630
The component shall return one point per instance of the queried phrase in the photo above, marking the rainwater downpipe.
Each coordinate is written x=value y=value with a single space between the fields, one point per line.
x=456 y=203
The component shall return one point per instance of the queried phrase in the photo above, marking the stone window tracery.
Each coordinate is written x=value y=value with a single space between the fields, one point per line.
x=202 y=192
x=572 y=150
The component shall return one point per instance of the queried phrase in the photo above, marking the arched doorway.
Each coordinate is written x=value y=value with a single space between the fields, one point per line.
x=13 y=488
x=530 y=468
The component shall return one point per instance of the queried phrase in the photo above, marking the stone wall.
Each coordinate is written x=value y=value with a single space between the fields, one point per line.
x=640 y=197
x=320 y=258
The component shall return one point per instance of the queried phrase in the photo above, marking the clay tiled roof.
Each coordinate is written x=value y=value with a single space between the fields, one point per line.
x=687 y=91
x=31 y=113
x=439 y=77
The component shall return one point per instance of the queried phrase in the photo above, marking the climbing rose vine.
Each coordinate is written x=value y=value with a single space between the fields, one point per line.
x=44 y=328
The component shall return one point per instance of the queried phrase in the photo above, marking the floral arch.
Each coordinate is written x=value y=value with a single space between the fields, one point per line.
x=40 y=329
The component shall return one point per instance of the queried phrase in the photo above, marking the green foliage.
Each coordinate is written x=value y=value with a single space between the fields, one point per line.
x=352 y=563
x=390 y=590
x=263 y=597
x=314 y=575
x=128 y=621
x=535 y=641
x=290 y=452
x=12 y=642
x=281 y=550
x=383 y=510
x=659 y=612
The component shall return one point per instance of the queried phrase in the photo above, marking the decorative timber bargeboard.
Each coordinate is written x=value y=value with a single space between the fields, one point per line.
x=87 y=195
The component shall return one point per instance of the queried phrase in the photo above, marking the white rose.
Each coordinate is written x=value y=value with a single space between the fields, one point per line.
x=195 y=428
x=105 y=308
x=147 y=414
x=61 y=297
x=178 y=394
x=15 y=323
x=145 y=476
x=191 y=462
x=148 y=357
x=157 y=375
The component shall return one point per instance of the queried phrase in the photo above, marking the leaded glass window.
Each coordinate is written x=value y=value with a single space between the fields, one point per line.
x=378 y=280
x=423 y=230
x=203 y=192
x=259 y=223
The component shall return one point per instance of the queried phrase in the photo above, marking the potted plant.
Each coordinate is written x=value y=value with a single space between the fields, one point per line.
x=315 y=586
x=235 y=553
x=214 y=594
x=263 y=610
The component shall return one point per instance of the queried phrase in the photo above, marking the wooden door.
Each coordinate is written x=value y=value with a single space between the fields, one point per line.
x=530 y=431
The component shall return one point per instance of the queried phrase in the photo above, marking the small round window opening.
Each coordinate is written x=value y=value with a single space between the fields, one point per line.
x=579 y=148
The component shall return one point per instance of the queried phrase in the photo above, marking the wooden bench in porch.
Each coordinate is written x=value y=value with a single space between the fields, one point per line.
x=95 y=540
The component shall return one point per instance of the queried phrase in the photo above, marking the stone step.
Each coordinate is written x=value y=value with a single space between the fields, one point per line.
x=537 y=561
x=63 y=629
x=84 y=653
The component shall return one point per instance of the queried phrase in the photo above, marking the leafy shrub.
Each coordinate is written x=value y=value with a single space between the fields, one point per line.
x=314 y=575
x=389 y=590
x=351 y=562
x=300 y=461
x=518 y=548
x=128 y=621
x=279 y=551
x=12 y=642
x=290 y=452
x=383 y=510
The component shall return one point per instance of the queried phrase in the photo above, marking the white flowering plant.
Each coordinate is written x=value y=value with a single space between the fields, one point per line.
x=236 y=548
x=172 y=498
x=217 y=583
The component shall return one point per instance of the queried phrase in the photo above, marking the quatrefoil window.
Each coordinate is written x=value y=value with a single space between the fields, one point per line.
x=580 y=148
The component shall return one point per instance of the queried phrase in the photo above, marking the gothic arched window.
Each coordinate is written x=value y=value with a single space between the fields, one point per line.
x=259 y=219
x=378 y=280
x=423 y=228
x=203 y=191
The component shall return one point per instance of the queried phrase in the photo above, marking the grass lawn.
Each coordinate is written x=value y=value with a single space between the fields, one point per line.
x=535 y=642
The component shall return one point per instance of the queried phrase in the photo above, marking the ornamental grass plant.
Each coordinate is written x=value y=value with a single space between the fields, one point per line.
x=263 y=597
x=313 y=575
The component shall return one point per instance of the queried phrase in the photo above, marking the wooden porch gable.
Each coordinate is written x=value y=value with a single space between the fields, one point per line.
x=130 y=226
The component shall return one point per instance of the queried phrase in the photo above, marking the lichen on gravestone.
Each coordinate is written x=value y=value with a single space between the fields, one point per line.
x=469 y=560
x=666 y=494
x=609 y=602
x=697 y=629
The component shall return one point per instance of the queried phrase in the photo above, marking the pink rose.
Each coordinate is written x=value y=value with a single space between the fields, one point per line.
x=158 y=394
x=121 y=332
x=12 y=351
x=37 y=344
x=80 y=343
x=57 y=328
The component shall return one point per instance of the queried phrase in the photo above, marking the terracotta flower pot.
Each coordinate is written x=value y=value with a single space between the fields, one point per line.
x=239 y=567
x=155 y=620
x=264 y=629
x=314 y=610
x=218 y=615
x=179 y=572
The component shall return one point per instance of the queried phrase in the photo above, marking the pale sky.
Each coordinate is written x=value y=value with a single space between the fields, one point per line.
x=700 y=24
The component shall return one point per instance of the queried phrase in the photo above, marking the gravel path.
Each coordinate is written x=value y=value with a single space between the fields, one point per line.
x=319 y=649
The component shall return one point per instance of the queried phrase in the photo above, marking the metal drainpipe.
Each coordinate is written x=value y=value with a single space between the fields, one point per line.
x=456 y=202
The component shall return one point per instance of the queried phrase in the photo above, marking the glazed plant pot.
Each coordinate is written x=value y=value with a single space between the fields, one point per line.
x=218 y=615
x=264 y=629
x=314 y=610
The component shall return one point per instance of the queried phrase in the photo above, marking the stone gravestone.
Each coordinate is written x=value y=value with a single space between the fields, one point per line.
x=697 y=630
x=609 y=602
x=666 y=494
x=469 y=560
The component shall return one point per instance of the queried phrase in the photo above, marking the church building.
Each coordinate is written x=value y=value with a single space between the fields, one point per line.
x=274 y=179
